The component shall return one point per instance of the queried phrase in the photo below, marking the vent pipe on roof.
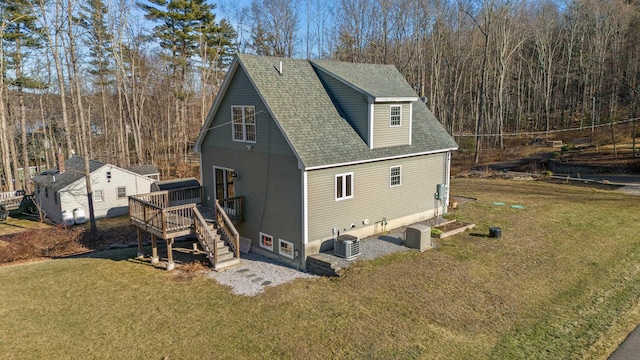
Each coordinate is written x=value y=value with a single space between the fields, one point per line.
x=280 y=71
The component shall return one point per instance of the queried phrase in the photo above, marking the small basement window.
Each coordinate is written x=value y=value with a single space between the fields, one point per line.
x=122 y=192
x=266 y=241
x=286 y=248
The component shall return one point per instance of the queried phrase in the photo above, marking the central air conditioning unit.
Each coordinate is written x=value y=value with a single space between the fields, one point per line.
x=346 y=246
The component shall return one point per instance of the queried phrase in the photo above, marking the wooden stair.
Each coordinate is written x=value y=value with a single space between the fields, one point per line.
x=225 y=256
x=214 y=246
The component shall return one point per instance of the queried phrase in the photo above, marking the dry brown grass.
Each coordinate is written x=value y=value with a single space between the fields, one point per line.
x=34 y=244
x=563 y=282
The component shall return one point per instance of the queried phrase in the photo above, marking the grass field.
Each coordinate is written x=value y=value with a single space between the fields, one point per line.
x=563 y=282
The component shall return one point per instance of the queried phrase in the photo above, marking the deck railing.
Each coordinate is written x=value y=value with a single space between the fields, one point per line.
x=233 y=207
x=177 y=218
x=205 y=235
x=192 y=195
x=11 y=195
x=228 y=230
x=146 y=210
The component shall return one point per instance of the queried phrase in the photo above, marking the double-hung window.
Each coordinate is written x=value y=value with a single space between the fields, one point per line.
x=395 y=176
x=395 y=115
x=98 y=195
x=344 y=186
x=244 y=123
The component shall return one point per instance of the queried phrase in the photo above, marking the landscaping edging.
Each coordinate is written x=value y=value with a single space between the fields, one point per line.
x=464 y=226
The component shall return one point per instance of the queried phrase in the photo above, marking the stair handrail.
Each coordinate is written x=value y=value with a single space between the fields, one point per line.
x=229 y=231
x=208 y=237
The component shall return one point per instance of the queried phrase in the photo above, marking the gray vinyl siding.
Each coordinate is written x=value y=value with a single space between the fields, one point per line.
x=352 y=103
x=268 y=174
x=242 y=93
x=373 y=198
x=383 y=133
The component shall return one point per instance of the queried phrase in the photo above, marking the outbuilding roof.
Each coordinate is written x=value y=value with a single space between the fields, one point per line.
x=173 y=184
x=74 y=170
x=144 y=169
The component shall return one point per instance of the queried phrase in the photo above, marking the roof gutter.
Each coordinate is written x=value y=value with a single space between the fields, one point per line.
x=379 y=159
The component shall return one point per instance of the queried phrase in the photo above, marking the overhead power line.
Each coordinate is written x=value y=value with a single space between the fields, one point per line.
x=550 y=131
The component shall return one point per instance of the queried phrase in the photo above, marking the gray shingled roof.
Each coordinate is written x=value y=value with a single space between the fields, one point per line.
x=143 y=169
x=314 y=127
x=174 y=184
x=374 y=80
x=74 y=170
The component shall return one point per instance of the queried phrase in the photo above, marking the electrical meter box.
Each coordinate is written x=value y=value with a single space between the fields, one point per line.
x=441 y=191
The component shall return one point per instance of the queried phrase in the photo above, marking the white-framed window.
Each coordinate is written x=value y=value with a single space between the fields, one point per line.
x=344 y=186
x=98 y=195
x=266 y=241
x=395 y=115
x=395 y=176
x=244 y=123
x=122 y=192
x=286 y=248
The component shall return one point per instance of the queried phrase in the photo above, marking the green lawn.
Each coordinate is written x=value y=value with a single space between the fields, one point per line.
x=562 y=282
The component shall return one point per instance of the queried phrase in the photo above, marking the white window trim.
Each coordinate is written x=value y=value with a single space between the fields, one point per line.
x=244 y=124
x=391 y=176
x=344 y=186
x=118 y=192
x=390 y=116
x=95 y=195
x=293 y=249
x=266 y=235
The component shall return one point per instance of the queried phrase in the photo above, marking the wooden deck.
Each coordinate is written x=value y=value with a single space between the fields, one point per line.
x=173 y=213
x=10 y=201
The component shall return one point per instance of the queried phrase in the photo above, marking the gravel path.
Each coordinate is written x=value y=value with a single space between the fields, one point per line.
x=257 y=272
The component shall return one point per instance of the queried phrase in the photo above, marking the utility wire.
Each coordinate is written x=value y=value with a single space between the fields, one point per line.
x=550 y=131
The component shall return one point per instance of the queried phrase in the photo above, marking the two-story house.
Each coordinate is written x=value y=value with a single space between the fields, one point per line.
x=318 y=148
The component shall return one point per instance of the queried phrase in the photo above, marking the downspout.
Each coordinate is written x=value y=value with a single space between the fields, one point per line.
x=305 y=220
x=371 y=115
x=447 y=180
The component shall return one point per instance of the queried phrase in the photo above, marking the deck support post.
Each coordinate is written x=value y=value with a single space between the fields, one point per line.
x=139 y=233
x=154 y=250
x=170 y=263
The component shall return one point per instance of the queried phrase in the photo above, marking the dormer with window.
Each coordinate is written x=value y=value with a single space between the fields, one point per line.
x=390 y=123
x=376 y=104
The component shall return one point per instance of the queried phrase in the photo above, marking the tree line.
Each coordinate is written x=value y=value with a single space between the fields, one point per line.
x=130 y=82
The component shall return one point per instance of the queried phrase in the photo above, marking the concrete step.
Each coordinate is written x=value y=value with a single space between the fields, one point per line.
x=321 y=264
x=225 y=264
